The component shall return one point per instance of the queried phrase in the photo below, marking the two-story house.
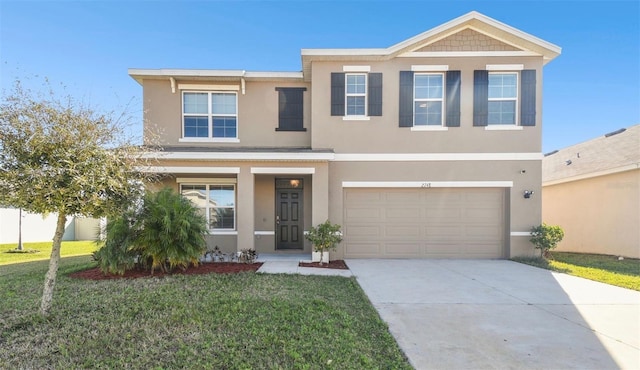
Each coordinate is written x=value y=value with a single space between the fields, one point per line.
x=428 y=148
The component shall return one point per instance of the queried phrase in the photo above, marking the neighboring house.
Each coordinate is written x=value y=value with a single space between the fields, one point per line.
x=592 y=190
x=422 y=149
x=39 y=228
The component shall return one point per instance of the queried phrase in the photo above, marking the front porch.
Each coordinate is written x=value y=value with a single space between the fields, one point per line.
x=261 y=205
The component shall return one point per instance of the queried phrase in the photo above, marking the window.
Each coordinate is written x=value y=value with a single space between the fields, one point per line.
x=356 y=94
x=216 y=202
x=503 y=98
x=210 y=115
x=428 y=99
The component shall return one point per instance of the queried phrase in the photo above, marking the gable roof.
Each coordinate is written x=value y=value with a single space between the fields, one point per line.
x=611 y=153
x=526 y=43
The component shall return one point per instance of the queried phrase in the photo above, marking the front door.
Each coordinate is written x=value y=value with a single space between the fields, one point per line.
x=289 y=214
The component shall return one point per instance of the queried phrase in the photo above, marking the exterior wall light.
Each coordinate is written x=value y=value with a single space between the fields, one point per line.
x=528 y=194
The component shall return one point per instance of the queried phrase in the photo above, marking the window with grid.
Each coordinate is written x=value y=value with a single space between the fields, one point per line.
x=428 y=99
x=216 y=202
x=503 y=98
x=356 y=94
x=210 y=115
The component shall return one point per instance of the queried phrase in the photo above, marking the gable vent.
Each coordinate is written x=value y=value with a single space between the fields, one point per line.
x=616 y=132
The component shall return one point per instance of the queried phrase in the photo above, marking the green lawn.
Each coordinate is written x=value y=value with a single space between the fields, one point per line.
x=242 y=321
x=68 y=249
x=598 y=267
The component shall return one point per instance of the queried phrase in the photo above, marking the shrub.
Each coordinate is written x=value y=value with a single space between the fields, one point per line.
x=115 y=255
x=167 y=231
x=171 y=231
x=546 y=238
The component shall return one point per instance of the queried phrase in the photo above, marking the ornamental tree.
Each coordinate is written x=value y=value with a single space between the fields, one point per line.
x=57 y=155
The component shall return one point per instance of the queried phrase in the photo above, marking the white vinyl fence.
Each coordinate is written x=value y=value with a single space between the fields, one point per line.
x=36 y=228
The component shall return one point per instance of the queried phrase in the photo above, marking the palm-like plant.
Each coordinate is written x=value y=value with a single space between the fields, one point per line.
x=171 y=231
x=165 y=231
x=115 y=255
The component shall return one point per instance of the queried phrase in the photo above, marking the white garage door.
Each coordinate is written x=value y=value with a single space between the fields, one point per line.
x=424 y=223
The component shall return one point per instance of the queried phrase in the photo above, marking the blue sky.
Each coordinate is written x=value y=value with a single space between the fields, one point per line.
x=591 y=89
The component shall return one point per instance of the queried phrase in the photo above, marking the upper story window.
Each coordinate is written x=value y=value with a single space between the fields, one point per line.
x=503 y=98
x=428 y=98
x=356 y=94
x=210 y=115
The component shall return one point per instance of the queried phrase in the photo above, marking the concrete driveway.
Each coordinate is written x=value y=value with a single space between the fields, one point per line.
x=475 y=314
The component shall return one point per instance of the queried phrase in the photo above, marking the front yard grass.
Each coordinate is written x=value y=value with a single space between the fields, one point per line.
x=598 y=267
x=240 y=321
x=69 y=248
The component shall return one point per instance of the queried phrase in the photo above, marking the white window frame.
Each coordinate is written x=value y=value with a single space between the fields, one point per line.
x=207 y=208
x=347 y=95
x=516 y=99
x=442 y=109
x=209 y=116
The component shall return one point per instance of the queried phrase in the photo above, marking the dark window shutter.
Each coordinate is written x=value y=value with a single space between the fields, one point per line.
x=405 y=106
x=337 y=94
x=480 y=98
x=375 y=94
x=528 y=96
x=291 y=108
x=453 y=99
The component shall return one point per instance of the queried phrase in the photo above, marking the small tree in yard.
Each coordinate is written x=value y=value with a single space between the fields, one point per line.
x=546 y=238
x=58 y=155
x=324 y=237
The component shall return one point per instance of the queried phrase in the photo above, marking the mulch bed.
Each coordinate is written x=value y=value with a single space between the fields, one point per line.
x=203 y=268
x=334 y=264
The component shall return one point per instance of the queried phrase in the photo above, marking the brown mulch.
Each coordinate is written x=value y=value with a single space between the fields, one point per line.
x=202 y=268
x=334 y=264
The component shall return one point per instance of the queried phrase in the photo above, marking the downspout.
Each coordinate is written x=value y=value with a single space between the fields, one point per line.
x=173 y=84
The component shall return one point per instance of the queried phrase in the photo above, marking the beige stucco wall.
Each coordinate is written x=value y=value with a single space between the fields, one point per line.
x=257 y=213
x=257 y=115
x=520 y=214
x=382 y=134
x=598 y=215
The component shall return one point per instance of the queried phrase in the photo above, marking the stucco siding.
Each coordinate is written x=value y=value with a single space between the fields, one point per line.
x=257 y=115
x=382 y=134
x=599 y=215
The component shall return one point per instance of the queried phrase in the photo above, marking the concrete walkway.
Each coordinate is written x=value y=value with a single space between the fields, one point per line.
x=288 y=264
x=473 y=314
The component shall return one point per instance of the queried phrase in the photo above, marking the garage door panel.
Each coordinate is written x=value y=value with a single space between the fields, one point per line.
x=403 y=249
x=364 y=231
x=360 y=197
x=402 y=197
x=402 y=213
x=369 y=249
x=482 y=213
x=443 y=250
x=431 y=223
x=407 y=231
x=364 y=214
